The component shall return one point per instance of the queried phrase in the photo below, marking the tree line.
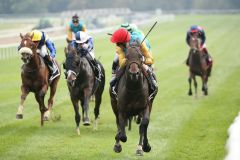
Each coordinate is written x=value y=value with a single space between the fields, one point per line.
x=51 y=6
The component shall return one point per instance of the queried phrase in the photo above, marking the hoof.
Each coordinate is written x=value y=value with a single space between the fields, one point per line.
x=139 y=151
x=146 y=148
x=189 y=93
x=45 y=118
x=117 y=148
x=205 y=93
x=86 y=122
x=123 y=138
x=19 y=116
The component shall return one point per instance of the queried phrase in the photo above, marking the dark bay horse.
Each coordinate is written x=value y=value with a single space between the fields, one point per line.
x=132 y=100
x=197 y=66
x=35 y=78
x=80 y=81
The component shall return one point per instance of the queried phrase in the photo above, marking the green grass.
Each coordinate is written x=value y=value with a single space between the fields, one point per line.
x=181 y=127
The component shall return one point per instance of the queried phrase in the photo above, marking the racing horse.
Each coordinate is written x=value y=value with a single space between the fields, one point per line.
x=35 y=78
x=80 y=81
x=133 y=100
x=197 y=66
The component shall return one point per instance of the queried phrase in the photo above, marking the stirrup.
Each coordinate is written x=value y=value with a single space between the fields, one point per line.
x=54 y=75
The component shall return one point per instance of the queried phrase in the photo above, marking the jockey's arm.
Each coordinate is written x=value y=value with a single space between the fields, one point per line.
x=90 y=44
x=148 y=56
x=203 y=37
x=84 y=28
x=121 y=54
x=50 y=46
x=69 y=33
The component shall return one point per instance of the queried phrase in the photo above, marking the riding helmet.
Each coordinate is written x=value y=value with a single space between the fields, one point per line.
x=120 y=36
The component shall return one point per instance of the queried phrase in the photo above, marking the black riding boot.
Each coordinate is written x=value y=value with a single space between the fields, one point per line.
x=153 y=84
x=95 y=66
x=115 y=79
x=52 y=66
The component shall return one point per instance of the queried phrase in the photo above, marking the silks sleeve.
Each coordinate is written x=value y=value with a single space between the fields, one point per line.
x=69 y=33
x=121 y=55
x=148 y=56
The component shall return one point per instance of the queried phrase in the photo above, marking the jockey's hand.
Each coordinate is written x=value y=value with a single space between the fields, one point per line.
x=85 y=46
x=143 y=59
x=52 y=55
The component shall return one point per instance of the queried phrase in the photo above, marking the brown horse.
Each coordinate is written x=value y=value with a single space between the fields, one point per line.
x=197 y=65
x=133 y=99
x=80 y=81
x=35 y=78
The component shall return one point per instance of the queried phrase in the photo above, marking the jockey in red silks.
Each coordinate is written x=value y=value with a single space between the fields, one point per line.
x=201 y=34
x=121 y=38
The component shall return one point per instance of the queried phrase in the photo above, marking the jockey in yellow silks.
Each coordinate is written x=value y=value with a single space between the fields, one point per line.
x=43 y=43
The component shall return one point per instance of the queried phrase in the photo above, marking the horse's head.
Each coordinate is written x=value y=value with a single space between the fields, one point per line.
x=71 y=65
x=134 y=60
x=194 y=42
x=27 y=47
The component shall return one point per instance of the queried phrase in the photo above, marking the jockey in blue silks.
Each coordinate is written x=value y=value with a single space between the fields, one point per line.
x=84 y=47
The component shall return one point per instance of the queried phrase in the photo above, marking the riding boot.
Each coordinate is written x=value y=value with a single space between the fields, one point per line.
x=114 y=81
x=153 y=84
x=52 y=67
x=95 y=66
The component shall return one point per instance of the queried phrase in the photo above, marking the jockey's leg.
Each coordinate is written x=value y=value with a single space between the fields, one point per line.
x=151 y=78
x=115 y=64
x=50 y=62
x=96 y=67
x=115 y=79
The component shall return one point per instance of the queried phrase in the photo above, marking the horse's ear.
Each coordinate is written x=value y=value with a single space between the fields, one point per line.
x=65 y=51
x=21 y=35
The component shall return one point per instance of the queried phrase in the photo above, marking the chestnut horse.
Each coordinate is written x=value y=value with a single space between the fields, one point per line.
x=133 y=100
x=197 y=65
x=80 y=81
x=35 y=78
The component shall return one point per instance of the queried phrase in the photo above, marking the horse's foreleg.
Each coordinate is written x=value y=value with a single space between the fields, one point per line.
x=204 y=83
x=98 y=101
x=143 y=140
x=24 y=94
x=117 y=147
x=86 y=120
x=195 y=85
x=122 y=121
x=40 y=99
x=190 y=85
x=77 y=115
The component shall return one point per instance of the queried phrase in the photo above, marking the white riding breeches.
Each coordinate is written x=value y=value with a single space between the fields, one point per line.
x=43 y=51
x=92 y=54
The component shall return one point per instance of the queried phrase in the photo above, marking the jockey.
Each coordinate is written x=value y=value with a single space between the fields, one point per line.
x=136 y=35
x=43 y=42
x=122 y=37
x=74 y=26
x=84 y=47
x=201 y=34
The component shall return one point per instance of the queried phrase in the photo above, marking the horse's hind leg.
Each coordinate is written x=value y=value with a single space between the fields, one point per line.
x=204 y=85
x=24 y=94
x=53 y=88
x=98 y=100
x=195 y=85
x=143 y=141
